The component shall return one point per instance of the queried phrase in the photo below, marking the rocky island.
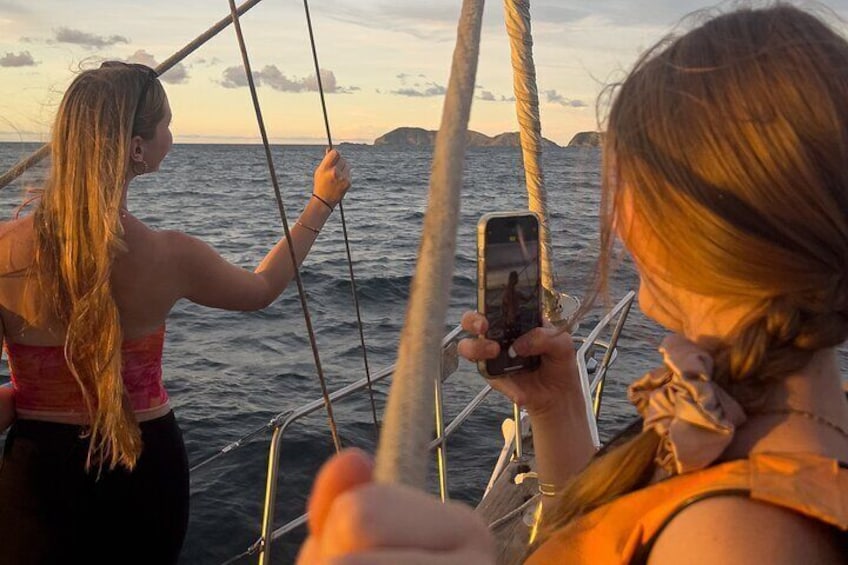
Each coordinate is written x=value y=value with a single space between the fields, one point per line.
x=586 y=139
x=420 y=137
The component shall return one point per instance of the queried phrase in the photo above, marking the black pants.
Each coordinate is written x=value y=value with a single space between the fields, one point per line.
x=52 y=511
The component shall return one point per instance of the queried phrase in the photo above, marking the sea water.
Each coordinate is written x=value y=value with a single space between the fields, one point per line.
x=229 y=373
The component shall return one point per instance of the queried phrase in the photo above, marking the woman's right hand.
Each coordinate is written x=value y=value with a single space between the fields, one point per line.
x=353 y=520
x=332 y=178
x=555 y=381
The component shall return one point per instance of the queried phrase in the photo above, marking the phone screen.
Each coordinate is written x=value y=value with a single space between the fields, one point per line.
x=512 y=287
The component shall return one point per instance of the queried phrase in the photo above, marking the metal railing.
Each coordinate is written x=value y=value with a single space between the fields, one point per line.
x=618 y=314
x=592 y=375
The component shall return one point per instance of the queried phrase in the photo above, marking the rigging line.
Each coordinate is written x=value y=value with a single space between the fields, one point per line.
x=34 y=158
x=281 y=207
x=344 y=224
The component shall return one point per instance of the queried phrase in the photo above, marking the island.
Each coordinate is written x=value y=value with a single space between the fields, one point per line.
x=420 y=137
x=586 y=139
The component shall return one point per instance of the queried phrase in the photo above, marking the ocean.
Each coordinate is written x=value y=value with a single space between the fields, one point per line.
x=229 y=373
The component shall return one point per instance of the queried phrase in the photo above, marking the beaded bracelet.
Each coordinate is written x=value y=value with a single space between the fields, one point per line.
x=327 y=204
x=310 y=228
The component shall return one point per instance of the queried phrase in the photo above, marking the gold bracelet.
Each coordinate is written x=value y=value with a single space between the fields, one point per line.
x=548 y=489
x=313 y=230
x=327 y=204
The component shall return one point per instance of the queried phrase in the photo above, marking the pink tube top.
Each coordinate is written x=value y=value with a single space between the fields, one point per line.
x=45 y=388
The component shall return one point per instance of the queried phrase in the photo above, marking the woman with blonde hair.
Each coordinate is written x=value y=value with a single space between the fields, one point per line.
x=726 y=177
x=94 y=468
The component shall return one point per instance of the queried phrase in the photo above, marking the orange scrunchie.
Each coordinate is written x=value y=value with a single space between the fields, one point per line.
x=694 y=417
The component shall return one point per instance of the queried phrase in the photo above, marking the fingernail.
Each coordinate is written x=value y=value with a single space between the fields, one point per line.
x=519 y=347
x=511 y=352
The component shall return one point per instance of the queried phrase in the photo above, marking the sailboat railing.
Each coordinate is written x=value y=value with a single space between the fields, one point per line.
x=618 y=314
x=448 y=366
x=592 y=374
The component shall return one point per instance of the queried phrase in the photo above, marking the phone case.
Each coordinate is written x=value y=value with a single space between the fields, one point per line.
x=530 y=362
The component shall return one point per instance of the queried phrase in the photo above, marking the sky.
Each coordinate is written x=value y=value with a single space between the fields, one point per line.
x=385 y=64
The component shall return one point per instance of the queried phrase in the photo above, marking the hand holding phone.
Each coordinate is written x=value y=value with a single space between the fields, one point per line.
x=508 y=286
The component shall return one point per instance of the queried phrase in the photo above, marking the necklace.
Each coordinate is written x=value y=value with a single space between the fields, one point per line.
x=809 y=415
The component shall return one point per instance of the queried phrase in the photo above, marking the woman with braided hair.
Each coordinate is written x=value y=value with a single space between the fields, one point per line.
x=726 y=177
x=94 y=469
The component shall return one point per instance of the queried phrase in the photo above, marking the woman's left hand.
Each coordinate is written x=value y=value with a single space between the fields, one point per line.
x=332 y=178
x=353 y=520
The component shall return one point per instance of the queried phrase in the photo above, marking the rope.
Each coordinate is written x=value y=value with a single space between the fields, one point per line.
x=34 y=158
x=344 y=226
x=402 y=453
x=281 y=207
x=517 y=16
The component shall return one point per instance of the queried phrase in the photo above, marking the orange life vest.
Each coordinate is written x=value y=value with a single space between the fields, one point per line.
x=622 y=531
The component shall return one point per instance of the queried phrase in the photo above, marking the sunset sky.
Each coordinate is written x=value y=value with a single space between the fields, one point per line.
x=386 y=63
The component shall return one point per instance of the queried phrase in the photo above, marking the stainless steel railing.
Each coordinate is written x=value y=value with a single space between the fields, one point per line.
x=592 y=374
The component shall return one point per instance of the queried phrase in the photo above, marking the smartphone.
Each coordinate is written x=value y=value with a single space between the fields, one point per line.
x=508 y=286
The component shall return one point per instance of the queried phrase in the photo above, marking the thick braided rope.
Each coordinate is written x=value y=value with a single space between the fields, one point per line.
x=407 y=428
x=517 y=17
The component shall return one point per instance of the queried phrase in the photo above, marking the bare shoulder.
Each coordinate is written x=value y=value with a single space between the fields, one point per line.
x=179 y=246
x=16 y=241
x=16 y=227
x=729 y=529
x=184 y=254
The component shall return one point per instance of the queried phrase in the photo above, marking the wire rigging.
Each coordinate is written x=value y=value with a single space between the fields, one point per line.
x=281 y=207
x=344 y=224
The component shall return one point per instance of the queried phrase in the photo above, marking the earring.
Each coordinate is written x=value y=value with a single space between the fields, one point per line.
x=136 y=165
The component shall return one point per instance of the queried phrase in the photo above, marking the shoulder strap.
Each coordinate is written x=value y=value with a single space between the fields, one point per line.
x=640 y=556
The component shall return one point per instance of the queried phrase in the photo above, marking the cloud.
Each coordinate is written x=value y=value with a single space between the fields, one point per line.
x=271 y=76
x=233 y=77
x=436 y=20
x=554 y=97
x=427 y=90
x=13 y=8
x=208 y=62
x=419 y=88
x=402 y=77
x=87 y=40
x=178 y=74
x=423 y=20
x=22 y=59
x=489 y=96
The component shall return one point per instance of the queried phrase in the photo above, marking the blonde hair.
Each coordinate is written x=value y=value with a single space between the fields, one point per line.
x=78 y=233
x=732 y=142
